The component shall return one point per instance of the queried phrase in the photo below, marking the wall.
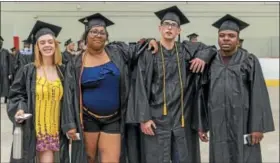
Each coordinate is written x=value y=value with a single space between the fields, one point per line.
x=270 y=68
x=135 y=20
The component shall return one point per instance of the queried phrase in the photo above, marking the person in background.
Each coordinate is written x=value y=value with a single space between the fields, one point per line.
x=13 y=59
x=26 y=54
x=81 y=47
x=193 y=37
x=13 y=50
x=232 y=102
x=26 y=48
x=5 y=70
x=38 y=90
x=69 y=52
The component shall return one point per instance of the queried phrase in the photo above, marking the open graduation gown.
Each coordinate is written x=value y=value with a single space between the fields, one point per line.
x=148 y=105
x=233 y=101
x=5 y=69
x=23 y=96
x=123 y=56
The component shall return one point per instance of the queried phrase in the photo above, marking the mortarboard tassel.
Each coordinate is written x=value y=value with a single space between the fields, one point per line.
x=181 y=88
x=164 y=90
x=164 y=109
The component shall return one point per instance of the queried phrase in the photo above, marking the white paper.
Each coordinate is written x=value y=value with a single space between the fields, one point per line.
x=24 y=116
x=245 y=138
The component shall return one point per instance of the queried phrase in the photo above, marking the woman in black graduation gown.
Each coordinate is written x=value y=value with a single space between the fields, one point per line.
x=37 y=89
x=96 y=93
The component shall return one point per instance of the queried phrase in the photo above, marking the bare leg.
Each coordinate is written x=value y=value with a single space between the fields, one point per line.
x=110 y=147
x=46 y=157
x=91 y=139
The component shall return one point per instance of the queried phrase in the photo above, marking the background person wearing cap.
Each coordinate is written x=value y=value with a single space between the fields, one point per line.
x=237 y=98
x=69 y=51
x=193 y=37
x=4 y=70
x=26 y=48
x=195 y=44
x=26 y=54
x=102 y=73
x=164 y=92
x=37 y=89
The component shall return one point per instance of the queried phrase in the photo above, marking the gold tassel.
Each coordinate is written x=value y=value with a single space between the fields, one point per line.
x=164 y=109
x=183 y=121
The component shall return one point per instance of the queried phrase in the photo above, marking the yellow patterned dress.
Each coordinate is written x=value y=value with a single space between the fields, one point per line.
x=48 y=97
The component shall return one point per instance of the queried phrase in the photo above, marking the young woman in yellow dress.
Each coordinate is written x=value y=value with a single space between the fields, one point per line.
x=38 y=90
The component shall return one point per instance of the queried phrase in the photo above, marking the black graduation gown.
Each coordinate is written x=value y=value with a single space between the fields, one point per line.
x=66 y=57
x=194 y=46
x=5 y=66
x=16 y=64
x=13 y=65
x=234 y=101
x=133 y=135
x=22 y=96
x=123 y=56
x=24 y=60
x=149 y=103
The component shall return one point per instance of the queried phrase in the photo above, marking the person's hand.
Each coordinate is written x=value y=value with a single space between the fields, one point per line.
x=256 y=137
x=203 y=136
x=197 y=65
x=153 y=44
x=147 y=127
x=72 y=134
x=19 y=113
x=10 y=76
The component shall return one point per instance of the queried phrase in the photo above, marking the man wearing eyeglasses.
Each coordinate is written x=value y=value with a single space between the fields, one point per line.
x=165 y=88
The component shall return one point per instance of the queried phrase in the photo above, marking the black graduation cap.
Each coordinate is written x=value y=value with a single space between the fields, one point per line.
x=193 y=35
x=27 y=41
x=1 y=38
x=172 y=13
x=69 y=41
x=42 y=28
x=96 y=20
x=229 y=22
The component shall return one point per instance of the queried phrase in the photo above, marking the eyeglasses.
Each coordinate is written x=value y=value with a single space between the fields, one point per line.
x=96 y=32
x=168 y=24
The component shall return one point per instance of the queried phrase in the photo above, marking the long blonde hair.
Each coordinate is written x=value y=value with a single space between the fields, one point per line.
x=57 y=58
